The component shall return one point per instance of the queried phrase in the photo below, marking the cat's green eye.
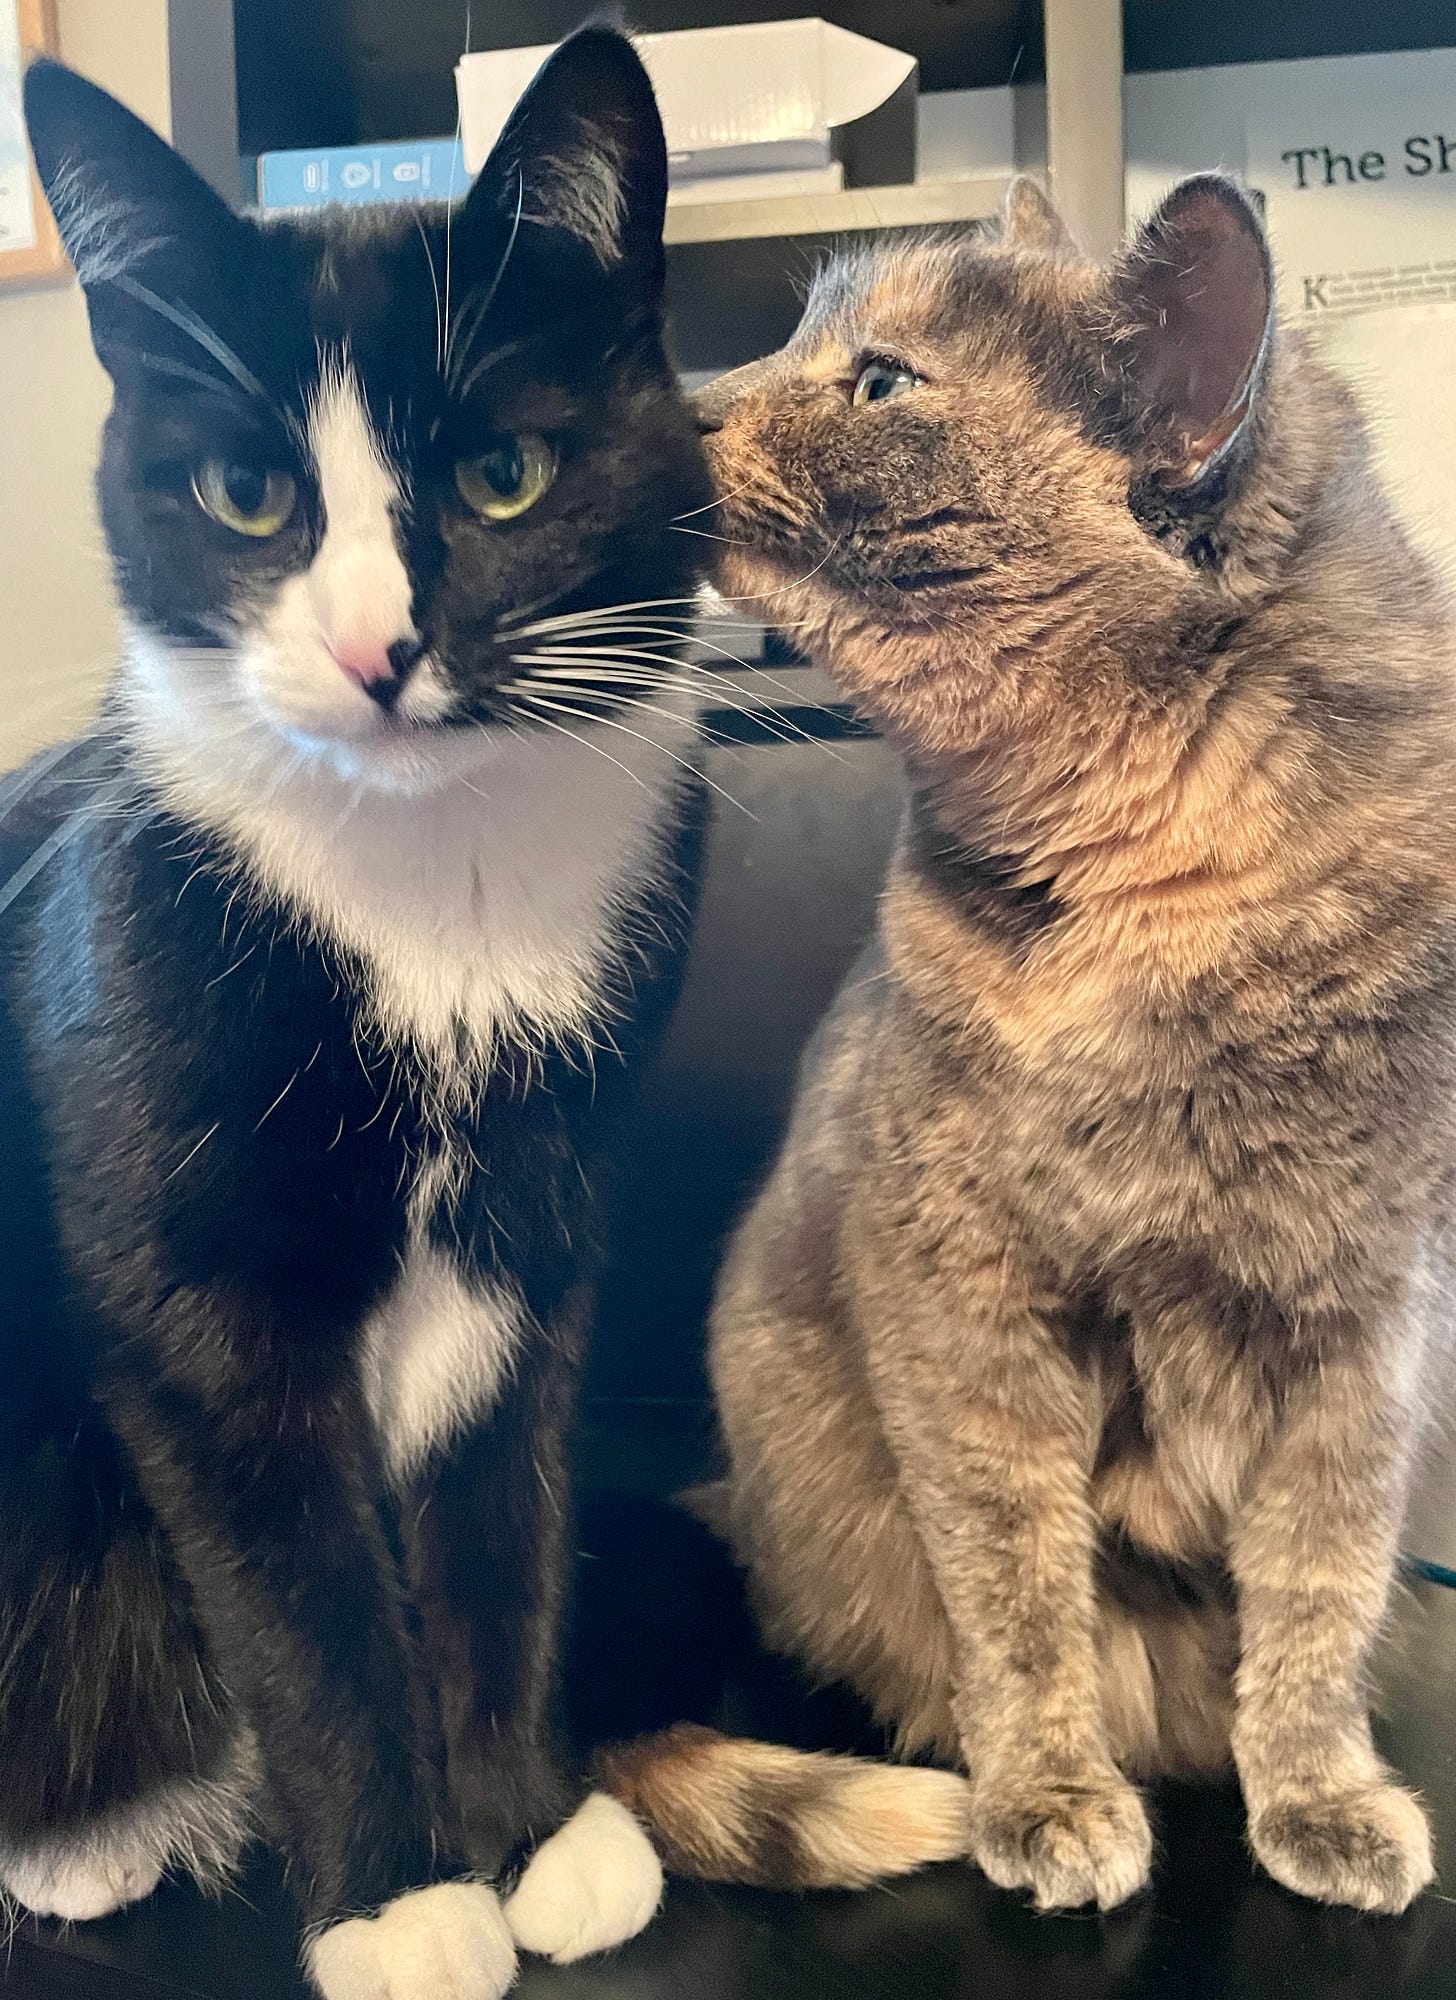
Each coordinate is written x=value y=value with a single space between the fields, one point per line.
x=504 y=481
x=881 y=380
x=249 y=499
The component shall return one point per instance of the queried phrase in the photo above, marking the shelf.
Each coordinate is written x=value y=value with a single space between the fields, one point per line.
x=832 y=214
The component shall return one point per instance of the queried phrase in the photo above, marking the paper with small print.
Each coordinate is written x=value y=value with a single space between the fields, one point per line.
x=1360 y=188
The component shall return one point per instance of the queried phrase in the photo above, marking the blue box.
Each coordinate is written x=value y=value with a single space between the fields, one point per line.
x=419 y=170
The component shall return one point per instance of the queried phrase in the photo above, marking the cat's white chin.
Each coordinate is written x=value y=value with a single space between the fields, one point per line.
x=398 y=758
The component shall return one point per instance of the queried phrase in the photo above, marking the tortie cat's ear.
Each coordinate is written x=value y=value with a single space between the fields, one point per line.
x=1031 y=223
x=583 y=155
x=1194 y=304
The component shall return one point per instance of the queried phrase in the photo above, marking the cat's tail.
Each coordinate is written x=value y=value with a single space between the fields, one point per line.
x=726 y=1810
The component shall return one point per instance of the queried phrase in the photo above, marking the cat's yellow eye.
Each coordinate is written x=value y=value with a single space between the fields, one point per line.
x=881 y=380
x=504 y=481
x=249 y=499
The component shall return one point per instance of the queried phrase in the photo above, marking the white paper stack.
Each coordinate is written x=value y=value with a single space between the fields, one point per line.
x=775 y=107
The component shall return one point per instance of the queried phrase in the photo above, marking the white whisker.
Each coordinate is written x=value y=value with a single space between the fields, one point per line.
x=453 y=365
x=637 y=604
x=20 y=784
x=723 y=688
x=585 y=743
x=796 y=695
x=586 y=677
x=606 y=722
x=26 y=873
x=435 y=287
x=197 y=329
x=801 y=581
x=733 y=541
x=708 y=505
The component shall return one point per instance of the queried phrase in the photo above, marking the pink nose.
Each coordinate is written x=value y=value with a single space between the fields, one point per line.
x=363 y=660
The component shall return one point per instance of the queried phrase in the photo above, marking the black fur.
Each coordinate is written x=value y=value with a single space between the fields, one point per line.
x=205 y=1140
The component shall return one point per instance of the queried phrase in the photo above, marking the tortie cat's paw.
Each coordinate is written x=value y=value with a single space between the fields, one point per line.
x=1069 y=1844
x=1370 y=1849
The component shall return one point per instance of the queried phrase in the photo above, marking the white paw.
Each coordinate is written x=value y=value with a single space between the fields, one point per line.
x=593 y=1885
x=87 y=1882
x=449 y=1942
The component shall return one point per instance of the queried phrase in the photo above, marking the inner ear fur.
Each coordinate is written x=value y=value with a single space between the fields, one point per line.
x=583 y=153
x=1194 y=308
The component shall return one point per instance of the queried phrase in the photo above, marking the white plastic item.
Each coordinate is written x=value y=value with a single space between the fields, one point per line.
x=774 y=96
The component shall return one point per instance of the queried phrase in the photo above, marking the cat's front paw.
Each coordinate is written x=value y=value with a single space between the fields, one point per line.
x=1069 y=1843
x=449 y=1942
x=79 y=1887
x=589 y=1887
x=1370 y=1849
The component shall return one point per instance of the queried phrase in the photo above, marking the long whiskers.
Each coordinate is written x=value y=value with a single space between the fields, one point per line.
x=455 y=359
x=582 y=671
x=26 y=873
x=592 y=634
x=708 y=505
x=732 y=541
x=18 y=785
x=585 y=741
x=206 y=337
x=799 y=582
x=435 y=287
x=559 y=707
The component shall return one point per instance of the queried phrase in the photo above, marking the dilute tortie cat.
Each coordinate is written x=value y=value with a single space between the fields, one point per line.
x=1072 y=1361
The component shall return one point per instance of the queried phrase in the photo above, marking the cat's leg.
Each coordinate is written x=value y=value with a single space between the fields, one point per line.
x=812 y=1509
x=264 y=1474
x=489 y=1551
x=121 y=1757
x=1313 y=1555
x=993 y=1431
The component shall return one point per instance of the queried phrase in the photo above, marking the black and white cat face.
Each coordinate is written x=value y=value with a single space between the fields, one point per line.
x=348 y=457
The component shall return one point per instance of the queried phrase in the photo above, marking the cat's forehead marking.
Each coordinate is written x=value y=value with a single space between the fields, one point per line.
x=909 y=286
x=358 y=580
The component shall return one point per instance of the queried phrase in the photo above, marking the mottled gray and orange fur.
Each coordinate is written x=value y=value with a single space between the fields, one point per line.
x=1072 y=1361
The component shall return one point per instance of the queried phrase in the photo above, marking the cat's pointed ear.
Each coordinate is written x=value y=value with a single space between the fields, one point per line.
x=136 y=221
x=1194 y=306
x=1031 y=223
x=583 y=153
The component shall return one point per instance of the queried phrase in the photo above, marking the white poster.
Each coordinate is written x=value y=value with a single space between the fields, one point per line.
x=17 y=216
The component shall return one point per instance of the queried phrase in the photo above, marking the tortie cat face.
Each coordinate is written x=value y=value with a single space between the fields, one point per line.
x=981 y=458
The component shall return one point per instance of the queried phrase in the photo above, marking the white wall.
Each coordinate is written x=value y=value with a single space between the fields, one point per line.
x=56 y=616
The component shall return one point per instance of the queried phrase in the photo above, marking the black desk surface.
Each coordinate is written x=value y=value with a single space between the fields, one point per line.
x=662 y=1632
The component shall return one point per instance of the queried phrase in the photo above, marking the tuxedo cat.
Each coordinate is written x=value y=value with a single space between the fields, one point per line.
x=315 y=1024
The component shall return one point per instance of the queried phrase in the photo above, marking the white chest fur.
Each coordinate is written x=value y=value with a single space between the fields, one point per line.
x=485 y=905
x=434 y=1358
